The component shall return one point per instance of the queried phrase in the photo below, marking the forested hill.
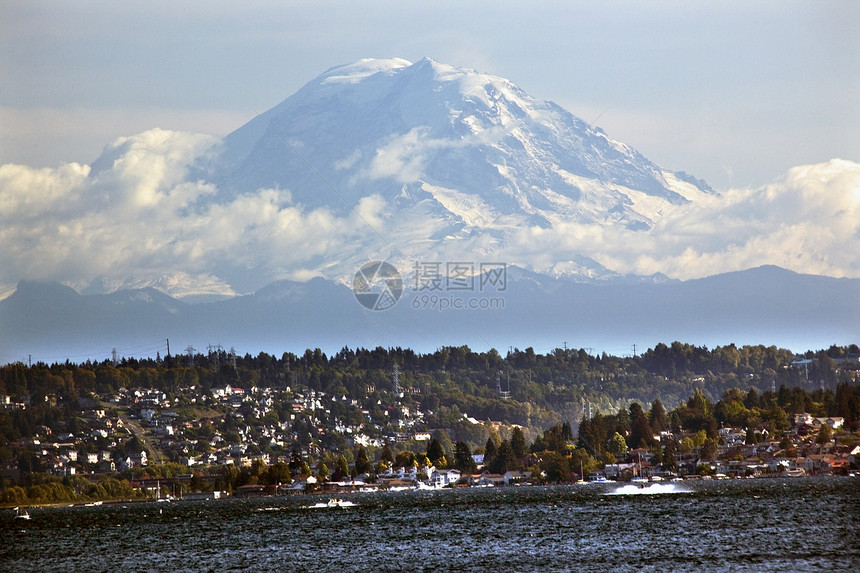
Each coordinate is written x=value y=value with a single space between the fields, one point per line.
x=521 y=387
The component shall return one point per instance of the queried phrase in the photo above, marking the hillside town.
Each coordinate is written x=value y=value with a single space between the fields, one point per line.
x=266 y=438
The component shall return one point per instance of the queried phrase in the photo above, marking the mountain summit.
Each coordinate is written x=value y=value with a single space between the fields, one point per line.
x=431 y=132
x=453 y=162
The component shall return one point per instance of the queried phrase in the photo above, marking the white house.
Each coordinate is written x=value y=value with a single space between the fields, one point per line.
x=442 y=478
x=515 y=476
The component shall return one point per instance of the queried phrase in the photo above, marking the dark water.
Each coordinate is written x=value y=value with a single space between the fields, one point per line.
x=744 y=525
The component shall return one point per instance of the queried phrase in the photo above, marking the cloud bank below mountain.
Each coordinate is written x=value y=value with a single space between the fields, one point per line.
x=133 y=212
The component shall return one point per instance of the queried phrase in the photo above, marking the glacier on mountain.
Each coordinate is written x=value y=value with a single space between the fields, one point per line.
x=461 y=161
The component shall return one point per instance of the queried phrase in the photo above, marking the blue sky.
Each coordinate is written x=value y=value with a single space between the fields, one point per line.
x=733 y=92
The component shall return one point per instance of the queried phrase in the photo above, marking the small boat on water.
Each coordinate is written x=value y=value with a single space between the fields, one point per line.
x=21 y=513
x=339 y=503
x=638 y=478
x=332 y=503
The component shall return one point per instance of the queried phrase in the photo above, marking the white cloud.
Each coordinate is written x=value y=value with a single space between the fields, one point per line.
x=808 y=221
x=403 y=158
x=137 y=216
x=134 y=214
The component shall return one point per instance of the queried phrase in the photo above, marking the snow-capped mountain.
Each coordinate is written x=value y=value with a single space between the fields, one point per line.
x=476 y=145
x=441 y=163
x=179 y=285
x=430 y=168
x=412 y=164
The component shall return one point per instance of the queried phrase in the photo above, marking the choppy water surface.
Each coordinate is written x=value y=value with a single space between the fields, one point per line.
x=744 y=525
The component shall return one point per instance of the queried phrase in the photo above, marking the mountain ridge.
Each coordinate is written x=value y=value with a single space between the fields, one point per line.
x=788 y=309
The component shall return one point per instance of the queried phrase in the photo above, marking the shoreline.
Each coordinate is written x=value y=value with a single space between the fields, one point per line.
x=462 y=487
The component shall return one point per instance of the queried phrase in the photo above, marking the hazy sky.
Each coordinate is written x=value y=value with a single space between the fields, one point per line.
x=733 y=92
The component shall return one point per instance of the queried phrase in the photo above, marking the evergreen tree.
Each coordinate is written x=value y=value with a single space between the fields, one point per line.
x=296 y=461
x=598 y=431
x=362 y=464
x=709 y=449
x=657 y=417
x=463 y=458
x=670 y=462
x=489 y=451
x=675 y=422
x=824 y=435
x=698 y=403
x=566 y=432
x=504 y=459
x=518 y=443
x=586 y=439
x=556 y=467
x=435 y=451
x=341 y=468
x=622 y=422
x=279 y=473
x=445 y=442
x=641 y=434
x=386 y=455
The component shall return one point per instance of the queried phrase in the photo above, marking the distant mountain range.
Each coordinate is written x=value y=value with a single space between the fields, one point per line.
x=766 y=305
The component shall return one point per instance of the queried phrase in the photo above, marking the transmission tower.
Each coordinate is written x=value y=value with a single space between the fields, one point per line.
x=504 y=394
x=395 y=378
x=190 y=352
